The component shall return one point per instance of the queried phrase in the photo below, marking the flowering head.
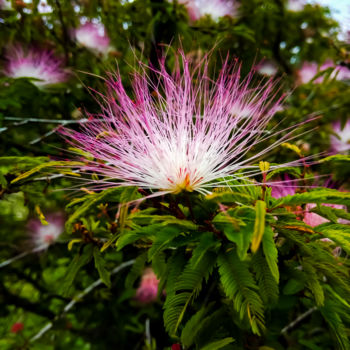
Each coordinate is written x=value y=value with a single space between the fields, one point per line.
x=295 y=5
x=92 y=36
x=45 y=235
x=215 y=8
x=267 y=67
x=40 y=65
x=309 y=69
x=182 y=131
x=5 y=5
x=282 y=188
x=341 y=141
x=148 y=289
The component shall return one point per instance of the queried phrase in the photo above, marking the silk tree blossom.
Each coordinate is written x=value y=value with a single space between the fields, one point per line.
x=314 y=219
x=40 y=65
x=282 y=188
x=341 y=141
x=214 y=8
x=44 y=8
x=148 y=289
x=217 y=8
x=309 y=69
x=5 y=5
x=267 y=67
x=177 y=133
x=92 y=36
x=295 y=5
x=45 y=235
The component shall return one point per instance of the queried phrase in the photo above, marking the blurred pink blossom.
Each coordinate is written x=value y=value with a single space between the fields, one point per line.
x=5 y=5
x=92 y=36
x=314 y=219
x=36 y=64
x=341 y=141
x=295 y=5
x=309 y=69
x=267 y=67
x=148 y=289
x=45 y=235
x=214 y=8
x=282 y=188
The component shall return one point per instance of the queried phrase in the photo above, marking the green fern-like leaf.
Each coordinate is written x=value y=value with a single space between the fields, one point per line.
x=271 y=252
x=136 y=270
x=317 y=196
x=332 y=317
x=239 y=286
x=188 y=286
x=340 y=234
x=312 y=282
x=192 y=327
x=268 y=286
x=218 y=344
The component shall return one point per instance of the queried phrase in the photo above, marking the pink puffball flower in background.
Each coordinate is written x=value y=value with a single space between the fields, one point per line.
x=217 y=8
x=295 y=5
x=37 y=64
x=214 y=8
x=93 y=36
x=5 y=5
x=45 y=235
x=44 y=8
x=282 y=188
x=313 y=219
x=148 y=289
x=309 y=69
x=267 y=68
x=307 y=72
x=177 y=133
x=341 y=141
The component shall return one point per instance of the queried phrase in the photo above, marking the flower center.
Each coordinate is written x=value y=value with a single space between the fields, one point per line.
x=184 y=181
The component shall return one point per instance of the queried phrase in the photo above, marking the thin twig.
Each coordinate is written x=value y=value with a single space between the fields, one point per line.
x=148 y=331
x=86 y=291
x=298 y=319
x=22 y=255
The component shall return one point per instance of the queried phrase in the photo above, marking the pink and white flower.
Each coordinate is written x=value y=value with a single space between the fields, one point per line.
x=40 y=65
x=341 y=141
x=148 y=289
x=177 y=133
x=313 y=219
x=267 y=68
x=45 y=235
x=309 y=69
x=282 y=188
x=295 y=5
x=5 y=5
x=93 y=36
x=215 y=8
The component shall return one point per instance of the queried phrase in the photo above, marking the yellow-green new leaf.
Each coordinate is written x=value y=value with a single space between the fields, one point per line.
x=259 y=225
